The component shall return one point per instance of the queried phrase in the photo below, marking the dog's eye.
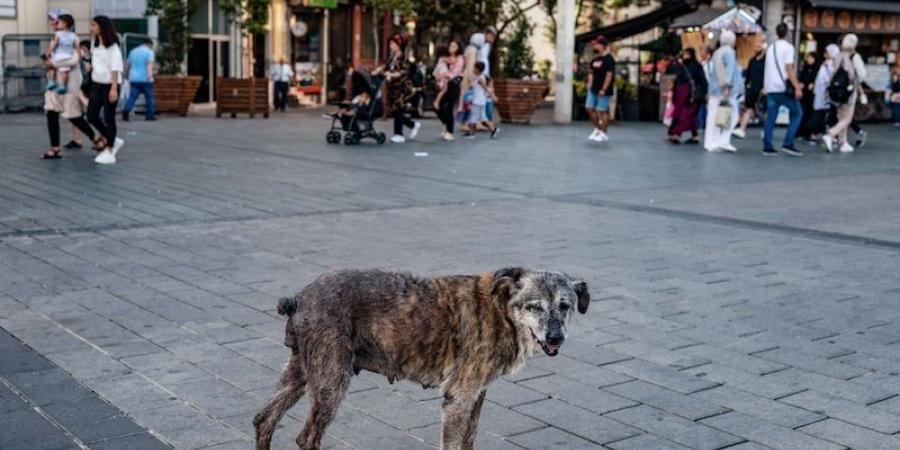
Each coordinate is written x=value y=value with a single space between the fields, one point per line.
x=534 y=308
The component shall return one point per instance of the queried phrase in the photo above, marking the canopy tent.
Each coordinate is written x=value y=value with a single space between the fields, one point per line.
x=639 y=24
x=738 y=19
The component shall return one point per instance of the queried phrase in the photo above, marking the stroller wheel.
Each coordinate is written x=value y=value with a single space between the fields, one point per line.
x=351 y=138
x=333 y=137
x=380 y=138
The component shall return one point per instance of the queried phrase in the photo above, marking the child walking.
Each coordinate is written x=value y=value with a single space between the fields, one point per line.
x=481 y=93
x=62 y=48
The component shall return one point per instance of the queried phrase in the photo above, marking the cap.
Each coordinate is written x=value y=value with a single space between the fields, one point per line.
x=54 y=13
x=490 y=30
x=601 y=39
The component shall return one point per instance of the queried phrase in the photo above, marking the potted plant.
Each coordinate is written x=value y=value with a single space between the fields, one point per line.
x=518 y=95
x=174 y=90
x=239 y=95
x=626 y=94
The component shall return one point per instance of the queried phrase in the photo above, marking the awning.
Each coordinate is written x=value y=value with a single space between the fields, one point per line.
x=698 y=18
x=738 y=20
x=639 y=24
x=888 y=6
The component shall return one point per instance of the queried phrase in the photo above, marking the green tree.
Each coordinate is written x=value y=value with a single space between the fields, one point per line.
x=518 y=57
x=251 y=15
x=174 y=20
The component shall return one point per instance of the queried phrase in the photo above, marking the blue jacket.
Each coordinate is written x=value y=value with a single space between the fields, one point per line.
x=732 y=73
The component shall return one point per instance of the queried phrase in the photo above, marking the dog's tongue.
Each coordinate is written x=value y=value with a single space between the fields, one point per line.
x=552 y=348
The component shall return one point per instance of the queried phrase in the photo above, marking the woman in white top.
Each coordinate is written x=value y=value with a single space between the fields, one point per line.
x=851 y=62
x=106 y=74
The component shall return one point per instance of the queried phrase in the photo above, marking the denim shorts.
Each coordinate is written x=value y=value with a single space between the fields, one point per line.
x=598 y=102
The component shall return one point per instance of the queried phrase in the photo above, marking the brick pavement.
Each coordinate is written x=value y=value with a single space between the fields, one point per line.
x=739 y=302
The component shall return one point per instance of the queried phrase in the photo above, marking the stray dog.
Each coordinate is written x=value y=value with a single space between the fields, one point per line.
x=458 y=333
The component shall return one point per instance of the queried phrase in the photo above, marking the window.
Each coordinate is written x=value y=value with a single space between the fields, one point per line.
x=8 y=9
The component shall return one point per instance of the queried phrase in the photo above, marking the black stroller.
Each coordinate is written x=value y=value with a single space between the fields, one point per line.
x=360 y=124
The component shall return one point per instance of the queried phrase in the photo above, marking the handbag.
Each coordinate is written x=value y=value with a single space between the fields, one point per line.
x=696 y=96
x=723 y=115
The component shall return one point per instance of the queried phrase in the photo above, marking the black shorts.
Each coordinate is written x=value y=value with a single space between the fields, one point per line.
x=751 y=97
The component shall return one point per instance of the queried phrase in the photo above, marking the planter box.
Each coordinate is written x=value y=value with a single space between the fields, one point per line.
x=239 y=95
x=174 y=94
x=517 y=100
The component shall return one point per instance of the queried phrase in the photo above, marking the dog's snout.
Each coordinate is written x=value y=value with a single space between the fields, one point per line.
x=555 y=338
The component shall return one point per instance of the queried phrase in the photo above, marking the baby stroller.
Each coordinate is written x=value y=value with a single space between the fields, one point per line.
x=360 y=124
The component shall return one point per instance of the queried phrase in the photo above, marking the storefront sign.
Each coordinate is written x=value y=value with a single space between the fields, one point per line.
x=321 y=3
x=827 y=20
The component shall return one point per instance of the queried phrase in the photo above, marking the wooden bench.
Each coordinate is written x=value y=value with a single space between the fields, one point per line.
x=239 y=95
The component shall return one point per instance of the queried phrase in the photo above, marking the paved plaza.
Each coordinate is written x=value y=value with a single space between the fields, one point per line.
x=739 y=301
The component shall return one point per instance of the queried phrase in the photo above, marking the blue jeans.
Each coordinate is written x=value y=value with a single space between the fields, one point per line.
x=773 y=103
x=895 y=112
x=138 y=88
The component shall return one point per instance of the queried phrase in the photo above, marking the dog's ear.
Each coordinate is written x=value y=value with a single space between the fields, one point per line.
x=506 y=282
x=584 y=297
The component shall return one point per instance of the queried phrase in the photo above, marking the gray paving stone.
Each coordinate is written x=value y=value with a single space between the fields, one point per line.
x=578 y=394
x=574 y=420
x=851 y=435
x=765 y=387
x=551 y=438
x=510 y=394
x=692 y=407
x=850 y=390
x=766 y=433
x=662 y=376
x=878 y=420
x=733 y=360
x=646 y=442
x=394 y=409
x=140 y=441
x=674 y=428
x=25 y=428
x=760 y=407
x=818 y=365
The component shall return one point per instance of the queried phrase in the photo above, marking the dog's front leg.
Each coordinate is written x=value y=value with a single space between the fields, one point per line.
x=460 y=412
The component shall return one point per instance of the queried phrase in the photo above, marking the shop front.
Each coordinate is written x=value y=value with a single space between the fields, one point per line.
x=878 y=26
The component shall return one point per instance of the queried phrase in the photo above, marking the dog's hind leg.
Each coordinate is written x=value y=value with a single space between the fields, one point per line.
x=459 y=417
x=290 y=389
x=329 y=378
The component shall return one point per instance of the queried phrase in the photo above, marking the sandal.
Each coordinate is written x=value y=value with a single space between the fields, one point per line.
x=72 y=145
x=100 y=144
x=52 y=154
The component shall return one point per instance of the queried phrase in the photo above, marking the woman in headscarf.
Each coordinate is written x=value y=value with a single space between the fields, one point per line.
x=688 y=92
x=726 y=85
x=753 y=86
x=399 y=88
x=821 y=105
x=852 y=63
x=807 y=77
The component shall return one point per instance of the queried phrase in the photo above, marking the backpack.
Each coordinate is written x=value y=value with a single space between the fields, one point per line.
x=841 y=87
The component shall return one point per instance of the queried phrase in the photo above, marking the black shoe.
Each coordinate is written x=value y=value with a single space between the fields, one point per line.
x=769 y=152
x=72 y=145
x=125 y=117
x=495 y=132
x=790 y=150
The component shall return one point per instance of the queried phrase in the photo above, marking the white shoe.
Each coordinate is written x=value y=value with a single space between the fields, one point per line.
x=602 y=137
x=415 y=130
x=714 y=150
x=728 y=148
x=739 y=133
x=846 y=148
x=594 y=134
x=398 y=139
x=829 y=142
x=447 y=136
x=105 y=157
x=117 y=145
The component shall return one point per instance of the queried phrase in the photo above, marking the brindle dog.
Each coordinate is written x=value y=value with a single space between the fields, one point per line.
x=456 y=332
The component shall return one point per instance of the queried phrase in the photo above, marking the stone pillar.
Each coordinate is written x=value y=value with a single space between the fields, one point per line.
x=565 y=55
x=774 y=9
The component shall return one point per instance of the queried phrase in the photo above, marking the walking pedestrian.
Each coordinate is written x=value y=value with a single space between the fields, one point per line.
x=282 y=74
x=481 y=95
x=68 y=106
x=807 y=78
x=106 y=74
x=782 y=89
x=726 y=85
x=821 y=105
x=399 y=88
x=484 y=42
x=705 y=61
x=844 y=91
x=689 y=92
x=600 y=88
x=140 y=75
x=448 y=77
x=894 y=90
x=753 y=86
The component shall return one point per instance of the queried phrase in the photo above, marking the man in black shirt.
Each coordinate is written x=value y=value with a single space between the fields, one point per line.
x=600 y=88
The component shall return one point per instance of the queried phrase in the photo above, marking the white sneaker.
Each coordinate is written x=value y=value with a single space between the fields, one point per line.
x=105 y=157
x=117 y=145
x=728 y=148
x=447 y=136
x=594 y=134
x=829 y=142
x=714 y=150
x=398 y=139
x=415 y=130
x=739 y=133
x=846 y=148
x=602 y=137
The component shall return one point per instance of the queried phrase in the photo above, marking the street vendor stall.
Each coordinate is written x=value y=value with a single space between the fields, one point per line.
x=698 y=29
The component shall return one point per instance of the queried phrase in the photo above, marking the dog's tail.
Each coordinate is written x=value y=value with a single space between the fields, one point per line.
x=287 y=306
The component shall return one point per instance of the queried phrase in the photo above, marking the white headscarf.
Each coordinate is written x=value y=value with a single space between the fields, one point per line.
x=849 y=42
x=832 y=51
x=727 y=38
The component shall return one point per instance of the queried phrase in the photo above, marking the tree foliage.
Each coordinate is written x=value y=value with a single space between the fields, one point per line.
x=174 y=19
x=518 y=57
x=251 y=15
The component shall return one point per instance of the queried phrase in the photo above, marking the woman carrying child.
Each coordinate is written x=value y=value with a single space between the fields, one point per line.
x=448 y=76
